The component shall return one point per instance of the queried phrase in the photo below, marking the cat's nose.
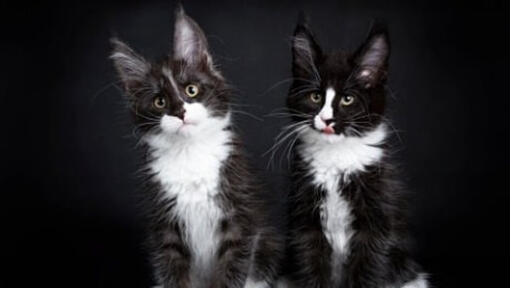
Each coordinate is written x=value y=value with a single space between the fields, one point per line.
x=327 y=121
x=180 y=113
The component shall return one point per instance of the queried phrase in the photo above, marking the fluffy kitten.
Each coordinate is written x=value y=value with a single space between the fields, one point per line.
x=207 y=228
x=347 y=220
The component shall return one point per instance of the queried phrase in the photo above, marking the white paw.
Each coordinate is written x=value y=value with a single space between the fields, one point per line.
x=419 y=282
x=250 y=283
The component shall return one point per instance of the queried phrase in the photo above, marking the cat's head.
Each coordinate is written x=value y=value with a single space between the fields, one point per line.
x=183 y=94
x=340 y=93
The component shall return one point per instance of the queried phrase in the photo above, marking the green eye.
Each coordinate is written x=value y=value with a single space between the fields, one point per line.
x=159 y=102
x=315 y=97
x=191 y=90
x=347 y=100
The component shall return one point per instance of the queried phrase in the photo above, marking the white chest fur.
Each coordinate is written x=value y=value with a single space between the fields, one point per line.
x=331 y=157
x=188 y=168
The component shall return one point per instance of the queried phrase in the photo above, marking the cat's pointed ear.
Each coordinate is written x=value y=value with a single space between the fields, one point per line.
x=305 y=50
x=372 y=57
x=190 y=43
x=131 y=67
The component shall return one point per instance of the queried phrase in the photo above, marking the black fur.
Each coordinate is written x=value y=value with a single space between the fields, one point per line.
x=379 y=248
x=244 y=228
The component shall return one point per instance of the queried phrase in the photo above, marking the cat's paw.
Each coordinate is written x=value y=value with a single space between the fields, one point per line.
x=250 y=283
x=419 y=282
x=283 y=283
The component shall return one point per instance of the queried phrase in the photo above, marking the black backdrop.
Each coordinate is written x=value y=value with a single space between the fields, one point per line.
x=68 y=209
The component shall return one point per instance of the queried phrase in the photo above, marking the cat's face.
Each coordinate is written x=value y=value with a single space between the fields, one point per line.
x=182 y=95
x=338 y=93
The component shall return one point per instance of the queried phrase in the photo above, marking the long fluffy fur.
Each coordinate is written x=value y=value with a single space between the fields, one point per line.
x=207 y=226
x=347 y=209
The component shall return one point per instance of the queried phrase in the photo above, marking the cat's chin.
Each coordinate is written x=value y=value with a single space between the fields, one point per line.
x=315 y=134
x=326 y=132
x=181 y=130
x=188 y=130
x=174 y=128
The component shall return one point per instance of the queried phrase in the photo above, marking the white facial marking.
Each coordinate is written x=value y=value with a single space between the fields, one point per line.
x=170 y=76
x=195 y=113
x=318 y=123
x=170 y=124
x=196 y=120
x=326 y=112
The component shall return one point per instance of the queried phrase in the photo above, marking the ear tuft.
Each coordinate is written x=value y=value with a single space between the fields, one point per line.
x=131 y=67
x=190 y=43
x=179 y=9
x=372 y=57
x=305 y=50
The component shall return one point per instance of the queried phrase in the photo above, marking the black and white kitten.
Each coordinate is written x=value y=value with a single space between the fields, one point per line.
x=207 y=228
x=347 y=220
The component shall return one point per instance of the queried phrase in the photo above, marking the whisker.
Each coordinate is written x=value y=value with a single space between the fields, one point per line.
x=286 y=115
x=302 y=91
x=105 y=88
x=280 y=139
x=240 y=112
x=272 y=87
x=297 y=130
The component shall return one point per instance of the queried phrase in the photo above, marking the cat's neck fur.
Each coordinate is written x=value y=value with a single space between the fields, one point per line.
x=192 y=161
x=332 y=155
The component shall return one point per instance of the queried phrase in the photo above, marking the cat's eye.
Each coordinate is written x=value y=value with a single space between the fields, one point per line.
x=191 y=90
x=347 y=100
x=315 y=97
x=159 y=102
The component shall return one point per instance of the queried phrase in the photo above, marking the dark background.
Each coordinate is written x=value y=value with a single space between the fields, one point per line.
x=68 y=167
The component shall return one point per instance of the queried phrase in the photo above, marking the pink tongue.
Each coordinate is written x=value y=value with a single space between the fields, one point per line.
x=328 y=130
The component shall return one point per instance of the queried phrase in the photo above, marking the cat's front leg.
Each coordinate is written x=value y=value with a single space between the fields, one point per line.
x=233 y=257
x=177 y=275
x=171 y=258
x=372 y=267
x=266 y=255
x=367 y=264
x=311 y=255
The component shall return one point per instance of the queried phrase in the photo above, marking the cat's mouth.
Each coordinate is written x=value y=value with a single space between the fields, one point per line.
x=325 y=126
x=172 y=124
x=186 y=124
x=328 y=130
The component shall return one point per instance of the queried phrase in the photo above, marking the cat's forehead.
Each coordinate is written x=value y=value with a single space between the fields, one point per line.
x=180 y=72
x=337 y=63
x=336 y=68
